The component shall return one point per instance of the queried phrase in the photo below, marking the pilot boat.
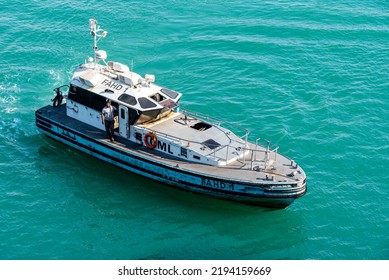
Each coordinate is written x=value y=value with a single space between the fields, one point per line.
x=157 y=139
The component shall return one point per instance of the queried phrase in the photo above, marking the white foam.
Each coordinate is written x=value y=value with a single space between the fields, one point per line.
x=8 y=97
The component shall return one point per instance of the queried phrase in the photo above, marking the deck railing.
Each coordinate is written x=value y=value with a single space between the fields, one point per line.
x=262 y=153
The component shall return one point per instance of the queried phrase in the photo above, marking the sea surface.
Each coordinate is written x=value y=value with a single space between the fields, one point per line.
x=309 y=75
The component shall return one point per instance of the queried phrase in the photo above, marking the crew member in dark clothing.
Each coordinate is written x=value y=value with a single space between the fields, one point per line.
x=108 y=119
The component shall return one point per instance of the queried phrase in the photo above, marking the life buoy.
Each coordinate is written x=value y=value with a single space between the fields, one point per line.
x=150 y=140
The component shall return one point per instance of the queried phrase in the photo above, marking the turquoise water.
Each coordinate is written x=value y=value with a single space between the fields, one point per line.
x=311 y=76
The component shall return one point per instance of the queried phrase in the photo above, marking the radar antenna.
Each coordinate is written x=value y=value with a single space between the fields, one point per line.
x=97 y=34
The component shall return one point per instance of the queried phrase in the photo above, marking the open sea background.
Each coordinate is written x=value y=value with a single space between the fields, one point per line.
x=309 y=75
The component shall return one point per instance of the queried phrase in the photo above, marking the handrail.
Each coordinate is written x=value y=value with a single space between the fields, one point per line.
x=268 y=148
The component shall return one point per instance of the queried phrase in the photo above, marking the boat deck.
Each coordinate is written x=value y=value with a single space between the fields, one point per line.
x=210 y=140
x=252 y=168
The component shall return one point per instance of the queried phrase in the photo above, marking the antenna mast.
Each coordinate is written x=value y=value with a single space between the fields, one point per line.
x=97 y=34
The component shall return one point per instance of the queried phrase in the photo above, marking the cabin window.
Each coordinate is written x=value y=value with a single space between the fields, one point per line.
x=172 y=94
x=99 y=102
x=88 y=98
x=148 y=116
x=80 y=95
x=157 y=97
x=126 y=98
x=146 y=103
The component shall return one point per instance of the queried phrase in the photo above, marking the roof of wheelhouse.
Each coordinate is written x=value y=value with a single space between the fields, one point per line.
x=115 y=81
x=125 y=87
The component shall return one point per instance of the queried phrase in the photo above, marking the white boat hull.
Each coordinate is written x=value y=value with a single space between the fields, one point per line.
x=169 y=172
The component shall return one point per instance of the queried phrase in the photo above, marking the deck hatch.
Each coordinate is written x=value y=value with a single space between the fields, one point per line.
x=201 y=126
x=210 y=143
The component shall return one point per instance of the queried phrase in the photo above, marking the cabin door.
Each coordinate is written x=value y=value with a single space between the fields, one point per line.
x=124 y=127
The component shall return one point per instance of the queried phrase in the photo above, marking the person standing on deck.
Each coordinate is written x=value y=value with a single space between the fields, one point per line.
x=108 y=119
